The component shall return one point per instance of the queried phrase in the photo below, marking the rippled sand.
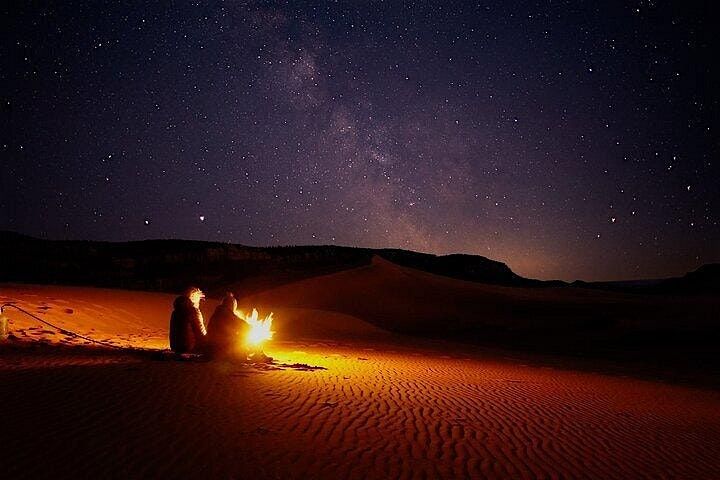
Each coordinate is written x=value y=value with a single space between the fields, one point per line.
x=337 y=408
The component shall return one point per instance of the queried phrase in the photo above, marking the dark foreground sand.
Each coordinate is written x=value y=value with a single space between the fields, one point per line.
x=377 y=408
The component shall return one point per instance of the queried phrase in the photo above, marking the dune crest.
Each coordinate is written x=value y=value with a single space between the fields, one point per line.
x=404 y=299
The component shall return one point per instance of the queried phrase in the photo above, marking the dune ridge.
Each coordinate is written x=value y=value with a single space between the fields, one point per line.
x=404 y=299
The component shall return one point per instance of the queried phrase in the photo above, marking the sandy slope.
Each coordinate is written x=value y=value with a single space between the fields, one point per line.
x=378 y=408
x=405 y=299
x=117 y=316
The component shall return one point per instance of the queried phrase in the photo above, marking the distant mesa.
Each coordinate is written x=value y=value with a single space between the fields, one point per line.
x=704 y=280
x=170 y=265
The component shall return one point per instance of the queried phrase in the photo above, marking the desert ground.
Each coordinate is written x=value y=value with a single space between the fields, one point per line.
x=343 y=399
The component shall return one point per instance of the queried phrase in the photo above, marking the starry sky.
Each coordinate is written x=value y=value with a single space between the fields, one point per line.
x=568 y=139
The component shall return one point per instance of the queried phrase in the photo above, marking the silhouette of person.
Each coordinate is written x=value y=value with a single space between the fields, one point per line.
x=187 y=327
x=227 y=331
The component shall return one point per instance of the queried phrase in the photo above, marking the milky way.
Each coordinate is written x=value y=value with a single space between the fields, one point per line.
x=567 y=139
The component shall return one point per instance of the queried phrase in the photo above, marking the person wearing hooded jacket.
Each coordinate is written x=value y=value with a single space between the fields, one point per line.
x=226 y=331
x=187 y=327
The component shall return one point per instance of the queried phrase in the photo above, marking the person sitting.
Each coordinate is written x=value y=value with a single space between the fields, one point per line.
x=187 y=327
x=226 y=331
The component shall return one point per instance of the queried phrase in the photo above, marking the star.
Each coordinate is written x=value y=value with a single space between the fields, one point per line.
x=305 y=134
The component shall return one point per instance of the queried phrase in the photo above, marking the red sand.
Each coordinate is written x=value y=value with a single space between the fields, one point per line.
x=379 y=409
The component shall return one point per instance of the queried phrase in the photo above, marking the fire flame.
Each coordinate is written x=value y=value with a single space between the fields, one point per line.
x=259 y=328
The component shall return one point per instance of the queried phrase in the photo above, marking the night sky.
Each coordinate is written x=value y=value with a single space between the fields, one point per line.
x=567 y=139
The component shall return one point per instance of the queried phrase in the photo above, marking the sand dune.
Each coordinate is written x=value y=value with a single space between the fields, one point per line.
x=408 y=300
x=375 y=407
x=370 y=414
x=141 y=318
x=117 y=316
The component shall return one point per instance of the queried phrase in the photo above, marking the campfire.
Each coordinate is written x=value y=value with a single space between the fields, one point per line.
x=259 y=328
